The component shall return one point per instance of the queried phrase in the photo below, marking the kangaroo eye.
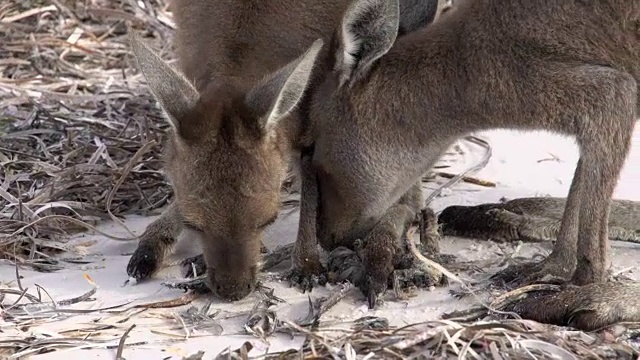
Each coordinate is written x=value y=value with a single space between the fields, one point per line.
x=189 y=225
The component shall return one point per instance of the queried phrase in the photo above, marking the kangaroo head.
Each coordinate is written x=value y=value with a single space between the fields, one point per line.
x=226 y=157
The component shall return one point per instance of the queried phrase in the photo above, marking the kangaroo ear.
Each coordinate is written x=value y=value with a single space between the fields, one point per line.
x=279 y=93
x=415 y=14
x=368 y=30
x=175 y=94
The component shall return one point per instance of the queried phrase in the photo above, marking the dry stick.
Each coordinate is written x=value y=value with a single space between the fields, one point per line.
x=323 y=305
x=434 y=265
x=468 y=179
x=28 y=13
x=127 y=169
x=32 y=298
x=53 y=302
x=86 y=311
x=121 y=343
x=16 y=152
x=48 y=47
x=21 y=206
x=17 y=270
x=421 y=337
x=21 y=294
x=334 y=298
x=182 y=300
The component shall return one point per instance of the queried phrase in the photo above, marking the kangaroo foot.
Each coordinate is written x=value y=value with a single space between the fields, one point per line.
x=428 y=245
x=429 y=233
x=587 y=307
x=345 y=265
x=194 y=263
x=550 y=271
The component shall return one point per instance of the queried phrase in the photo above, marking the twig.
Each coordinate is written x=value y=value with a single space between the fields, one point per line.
x=125 y=172
x=434 y=265
x=468 y=179
x=122 y=341
x=183 y=300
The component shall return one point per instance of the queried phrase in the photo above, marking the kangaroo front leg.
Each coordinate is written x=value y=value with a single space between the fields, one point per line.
x=306 y=267
x=155 y=244
x=383 y=258
x=383 y=243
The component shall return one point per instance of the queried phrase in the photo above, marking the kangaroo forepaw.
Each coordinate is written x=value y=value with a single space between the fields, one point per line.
x=194 y=266
x=378 y=263
x=305 y=278
x=347 y=265
x=373 y=287
x=144 y=262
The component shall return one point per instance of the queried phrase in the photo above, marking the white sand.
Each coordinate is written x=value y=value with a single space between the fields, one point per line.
x=514 y=166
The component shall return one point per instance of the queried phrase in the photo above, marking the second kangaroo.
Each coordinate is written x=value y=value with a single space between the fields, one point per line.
x=383 y=115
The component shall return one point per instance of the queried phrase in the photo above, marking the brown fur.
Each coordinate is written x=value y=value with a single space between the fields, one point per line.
x=383 y=115
x=223 y=159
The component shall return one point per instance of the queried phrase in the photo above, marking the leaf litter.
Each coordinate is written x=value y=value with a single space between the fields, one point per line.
x=81 y=143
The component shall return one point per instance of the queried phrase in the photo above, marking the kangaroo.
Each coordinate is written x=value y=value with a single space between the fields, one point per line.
x=225 y=164
x=385 y=109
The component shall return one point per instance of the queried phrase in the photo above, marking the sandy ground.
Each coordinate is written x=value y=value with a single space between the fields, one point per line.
x=522 y=165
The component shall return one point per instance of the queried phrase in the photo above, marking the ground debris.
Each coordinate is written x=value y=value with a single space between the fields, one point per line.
x=263 y=321
x=446 y=339
x=322 y=305
x=75 y=123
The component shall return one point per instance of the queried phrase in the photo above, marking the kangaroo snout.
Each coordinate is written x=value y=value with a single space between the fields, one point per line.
x=232 y=287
